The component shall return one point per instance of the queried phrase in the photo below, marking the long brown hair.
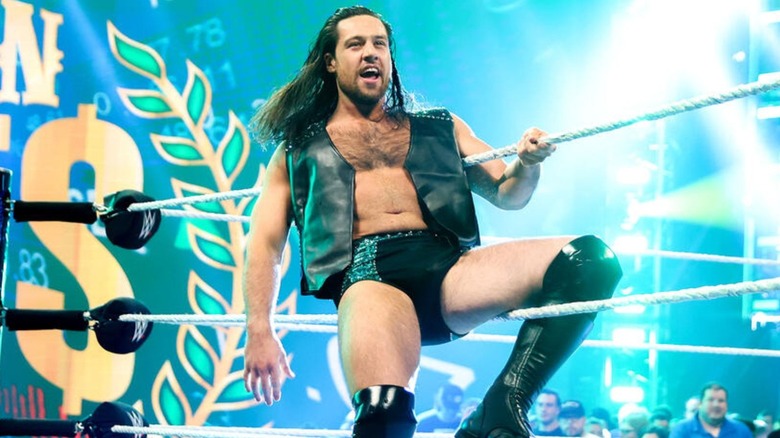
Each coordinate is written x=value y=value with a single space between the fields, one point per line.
x=312 y=95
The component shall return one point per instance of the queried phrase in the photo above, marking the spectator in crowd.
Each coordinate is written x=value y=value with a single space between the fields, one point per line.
x=547 y=407
x=635 y=414
x=445 y=416
x=572 y=418
x=633 y=425
x=711 y=420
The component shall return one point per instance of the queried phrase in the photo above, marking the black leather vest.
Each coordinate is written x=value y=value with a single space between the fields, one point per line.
x=323 y=187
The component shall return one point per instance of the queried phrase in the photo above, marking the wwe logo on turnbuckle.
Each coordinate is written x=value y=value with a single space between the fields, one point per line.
x=148 y=226
x=137 y=421
x=140 y=330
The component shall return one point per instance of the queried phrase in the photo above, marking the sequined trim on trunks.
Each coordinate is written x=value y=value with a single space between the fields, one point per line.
x=364 y=262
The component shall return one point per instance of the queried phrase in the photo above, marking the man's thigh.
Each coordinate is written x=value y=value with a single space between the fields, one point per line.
x=379 y=336
x=491 y=280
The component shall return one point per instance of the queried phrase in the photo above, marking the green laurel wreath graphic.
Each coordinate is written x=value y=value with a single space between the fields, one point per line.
x=211 y=358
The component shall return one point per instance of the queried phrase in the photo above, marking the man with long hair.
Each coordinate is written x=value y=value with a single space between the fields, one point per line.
x=384 y=208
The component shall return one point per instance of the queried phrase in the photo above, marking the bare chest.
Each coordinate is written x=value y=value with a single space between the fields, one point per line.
x=372 y=146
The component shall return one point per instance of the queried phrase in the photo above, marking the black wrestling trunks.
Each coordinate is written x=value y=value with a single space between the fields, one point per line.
x=414 y=262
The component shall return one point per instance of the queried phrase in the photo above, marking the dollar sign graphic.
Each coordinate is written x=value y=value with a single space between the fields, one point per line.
x=51 y=151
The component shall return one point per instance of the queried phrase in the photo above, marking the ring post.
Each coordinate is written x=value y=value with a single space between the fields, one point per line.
x=5 y=198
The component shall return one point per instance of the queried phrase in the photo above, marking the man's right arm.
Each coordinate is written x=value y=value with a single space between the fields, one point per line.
x=265 y=361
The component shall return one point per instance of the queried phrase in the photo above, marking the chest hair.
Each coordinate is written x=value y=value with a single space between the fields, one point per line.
x=368 y=146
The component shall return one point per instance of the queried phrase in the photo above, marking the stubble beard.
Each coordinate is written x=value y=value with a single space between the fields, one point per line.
x=361 y=98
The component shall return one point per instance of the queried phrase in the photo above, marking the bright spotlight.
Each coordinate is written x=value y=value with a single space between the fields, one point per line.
x=627 y=394
x=635 y=175
x=629 y=335
x=656 y=42
x=630 y=243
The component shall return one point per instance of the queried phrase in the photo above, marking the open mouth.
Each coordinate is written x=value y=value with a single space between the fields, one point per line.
x=371 y=73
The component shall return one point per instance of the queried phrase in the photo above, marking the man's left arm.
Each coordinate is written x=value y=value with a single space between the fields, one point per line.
x=506 y=186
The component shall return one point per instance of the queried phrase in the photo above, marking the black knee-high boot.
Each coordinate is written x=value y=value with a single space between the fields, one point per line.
x=384 y=411
x=585 y=270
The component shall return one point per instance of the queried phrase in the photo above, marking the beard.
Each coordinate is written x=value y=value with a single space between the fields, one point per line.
x=362 y=98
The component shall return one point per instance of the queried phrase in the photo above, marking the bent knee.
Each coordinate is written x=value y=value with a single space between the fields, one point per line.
x=585 y=269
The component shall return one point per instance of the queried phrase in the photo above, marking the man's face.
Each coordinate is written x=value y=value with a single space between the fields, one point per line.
x=361 y=62
x=713 y=406
x=572 y=426
x=547 y=408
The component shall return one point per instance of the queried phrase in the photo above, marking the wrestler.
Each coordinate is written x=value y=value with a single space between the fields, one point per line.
x=386 y=218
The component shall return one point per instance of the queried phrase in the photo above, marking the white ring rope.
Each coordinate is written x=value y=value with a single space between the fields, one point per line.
x=680 y=106
x=219 y=217
x=508 y=339
x=489 y=240
x=243 y=432
x=492 y=240
x=699 y=257
x=594 y=343
x=666 y=111
x=589 y=343
x=199 y=199
x=691 y=294
x=285 y=322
